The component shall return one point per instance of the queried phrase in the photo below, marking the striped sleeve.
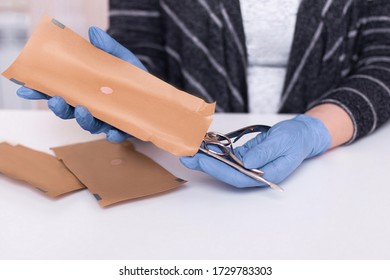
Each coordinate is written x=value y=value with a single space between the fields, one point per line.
x=364 y=92
x=137 y=26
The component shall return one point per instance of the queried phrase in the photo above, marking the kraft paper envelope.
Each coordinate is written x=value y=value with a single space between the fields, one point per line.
x=115 y=172
x=58 y=62
x=40 y=170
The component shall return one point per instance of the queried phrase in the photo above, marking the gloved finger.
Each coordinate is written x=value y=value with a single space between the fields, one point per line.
x=268 y=150
x=219 y=170
x=279 y=169
x=116 y=136
x=241 y=151
x=60 y=108
x=105 y=42
x=89 y=122
x=28 y=93
x=190 y=162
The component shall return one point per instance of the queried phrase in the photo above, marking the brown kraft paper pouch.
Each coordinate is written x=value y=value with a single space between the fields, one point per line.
x=38 y=169
x=58 y=62
x=115 y=172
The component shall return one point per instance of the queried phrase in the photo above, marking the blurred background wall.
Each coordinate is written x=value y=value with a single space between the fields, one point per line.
x=18 y=19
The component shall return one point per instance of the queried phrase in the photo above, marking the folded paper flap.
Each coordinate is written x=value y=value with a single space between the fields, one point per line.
x=115 y=172
x=5 y=145
x=57 y=61
x=39 y=169
x=207 y=110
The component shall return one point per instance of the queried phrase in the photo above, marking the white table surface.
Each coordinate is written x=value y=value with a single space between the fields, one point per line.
x=336 y=206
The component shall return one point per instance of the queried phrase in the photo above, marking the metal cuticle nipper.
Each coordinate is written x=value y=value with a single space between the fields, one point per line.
x=224 y=151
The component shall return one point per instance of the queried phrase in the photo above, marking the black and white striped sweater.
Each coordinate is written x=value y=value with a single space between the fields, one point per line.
x=340 y=53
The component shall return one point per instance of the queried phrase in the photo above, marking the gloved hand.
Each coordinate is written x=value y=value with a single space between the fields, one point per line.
x=58 y=105
x=277 y=152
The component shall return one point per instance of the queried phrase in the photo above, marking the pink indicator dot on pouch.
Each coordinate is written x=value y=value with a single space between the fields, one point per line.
x=106 y=90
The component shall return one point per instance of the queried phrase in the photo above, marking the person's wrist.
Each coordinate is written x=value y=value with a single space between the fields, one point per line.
x=318 y=134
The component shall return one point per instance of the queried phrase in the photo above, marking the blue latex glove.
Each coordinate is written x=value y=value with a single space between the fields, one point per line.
x=277 y=152
x=58 y=105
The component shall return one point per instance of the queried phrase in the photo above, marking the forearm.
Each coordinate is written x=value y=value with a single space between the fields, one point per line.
x=336 y=120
